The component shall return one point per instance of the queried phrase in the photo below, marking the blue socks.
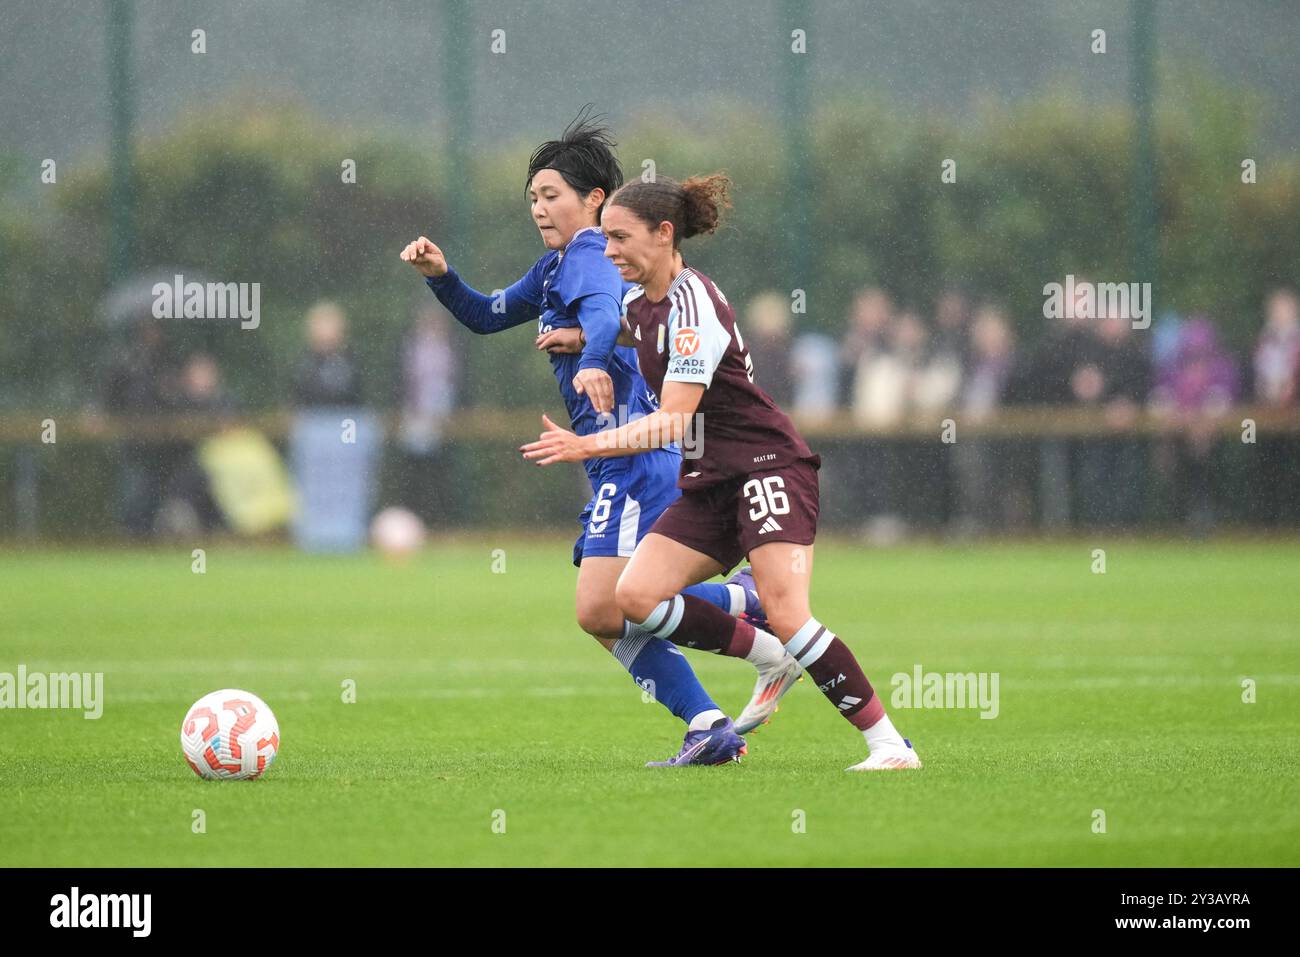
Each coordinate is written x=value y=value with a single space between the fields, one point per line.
x=716 y=593
x=662 y=670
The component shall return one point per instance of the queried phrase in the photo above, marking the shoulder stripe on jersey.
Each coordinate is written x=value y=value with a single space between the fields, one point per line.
x=700 y=294
x=682 y=277
x=685 y=312
x=695 y=306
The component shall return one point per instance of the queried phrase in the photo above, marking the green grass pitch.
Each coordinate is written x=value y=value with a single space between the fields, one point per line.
x=476 y=693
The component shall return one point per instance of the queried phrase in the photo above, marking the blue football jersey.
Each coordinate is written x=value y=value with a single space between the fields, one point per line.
x=566 y=277
x=552 y=291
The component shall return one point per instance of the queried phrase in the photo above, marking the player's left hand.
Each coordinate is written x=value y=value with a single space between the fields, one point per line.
x=555 y=445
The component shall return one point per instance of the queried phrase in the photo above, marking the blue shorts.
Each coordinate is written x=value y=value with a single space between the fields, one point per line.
x=631 y=493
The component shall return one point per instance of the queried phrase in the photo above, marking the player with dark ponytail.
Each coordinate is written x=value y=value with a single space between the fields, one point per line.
x=752 y=491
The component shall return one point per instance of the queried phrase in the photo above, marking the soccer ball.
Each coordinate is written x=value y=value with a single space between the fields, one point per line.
x=229 y=735
x=397 y=532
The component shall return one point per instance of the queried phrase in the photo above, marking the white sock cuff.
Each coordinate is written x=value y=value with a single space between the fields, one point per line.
x=767 y=649
x=883 y=734
x=737 y=593
x=704 y=720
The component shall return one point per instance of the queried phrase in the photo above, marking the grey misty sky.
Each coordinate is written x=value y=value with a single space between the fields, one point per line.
x=365 y=64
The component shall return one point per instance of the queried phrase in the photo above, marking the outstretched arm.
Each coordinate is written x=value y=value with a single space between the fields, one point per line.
x=474 y=310
x=665 y=425
x=480 y=312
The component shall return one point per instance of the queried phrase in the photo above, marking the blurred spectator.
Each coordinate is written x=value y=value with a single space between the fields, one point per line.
x=858 y=479
x=905 y=377
x=1115 y=376
x=767 y=334
x=921 y=473
x=882 y=377
x=1202 y=377
x=989 y=493
x=187 y=506
x=1277 y=385
x=1277 y=354
x=1045 y=377
x=905 y=380
x=1192 y=392
x=139 y=382
x=951 y=318
x=868 y=326
x=327 y=375
x=430 y=376
x=992 y=357
x=138 y=377
x=200 y=389
x=335 y=442
x=936 y=373
x=814 y=367
x=1166 y=333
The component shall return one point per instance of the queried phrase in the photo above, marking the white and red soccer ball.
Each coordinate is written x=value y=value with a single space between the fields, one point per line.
x=230 y=735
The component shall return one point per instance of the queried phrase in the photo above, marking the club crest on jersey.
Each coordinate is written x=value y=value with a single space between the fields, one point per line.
x=686 y=342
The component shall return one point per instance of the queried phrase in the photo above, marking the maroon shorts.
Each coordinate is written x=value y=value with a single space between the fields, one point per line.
x=728 y=520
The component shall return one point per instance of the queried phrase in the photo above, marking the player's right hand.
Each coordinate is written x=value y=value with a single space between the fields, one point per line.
x=426 y=257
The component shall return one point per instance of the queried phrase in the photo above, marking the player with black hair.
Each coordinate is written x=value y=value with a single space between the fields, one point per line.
x=574 y=287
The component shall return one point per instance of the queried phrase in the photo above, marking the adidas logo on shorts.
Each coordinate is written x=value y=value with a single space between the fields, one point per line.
x=769 y=526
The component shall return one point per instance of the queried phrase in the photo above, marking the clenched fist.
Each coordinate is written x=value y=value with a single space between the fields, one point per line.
x=426 y=257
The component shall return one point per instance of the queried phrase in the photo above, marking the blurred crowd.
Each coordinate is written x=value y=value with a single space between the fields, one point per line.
x=163 y=488
x=893 y=365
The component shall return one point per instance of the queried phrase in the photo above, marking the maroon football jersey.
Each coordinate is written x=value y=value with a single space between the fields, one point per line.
x=691 y=336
